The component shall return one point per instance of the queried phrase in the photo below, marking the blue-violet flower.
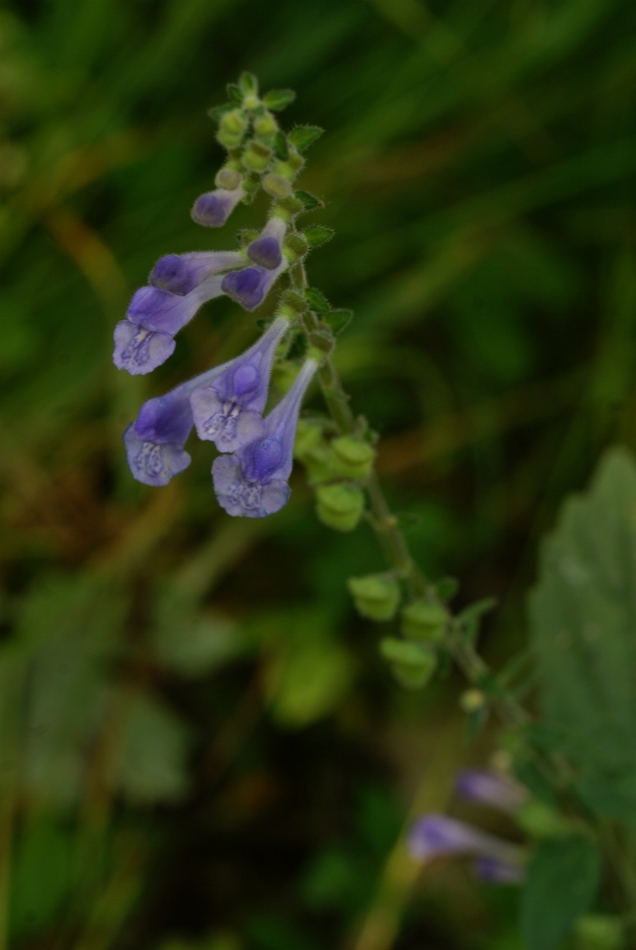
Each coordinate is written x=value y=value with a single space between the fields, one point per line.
x=490 y=788
x=214 y=207
x=252 y=483
x=181 y=273
x=250 y=286
x=267 y=250
x=435 y=835
x=229 y=411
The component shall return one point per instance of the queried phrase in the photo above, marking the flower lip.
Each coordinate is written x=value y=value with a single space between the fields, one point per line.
x=139 y=350
x=213 y=208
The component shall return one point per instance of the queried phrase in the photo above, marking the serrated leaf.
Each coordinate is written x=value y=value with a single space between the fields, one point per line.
x=153 y=762
x=304 y=135
x=309 y=202
x=317 y=235
x=561 y=884
x=338 y=320
x=234 y=93
x=278 y=99
x=317 y=300
x=280 y=146
x=582 y=617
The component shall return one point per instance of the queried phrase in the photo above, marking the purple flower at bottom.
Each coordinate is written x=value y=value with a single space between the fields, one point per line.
x=214 y=207
x=252 y=483
x=436 y=835
x=250 y=286
x=267 y=250
x=181 y=273
x=139 y=350
x=490 y=788
x=229 y=411
x=155 y=441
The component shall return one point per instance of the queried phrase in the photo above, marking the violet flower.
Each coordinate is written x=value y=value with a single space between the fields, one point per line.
x=267 y=250
x=155 y=441
x=435 y=835
x=489 y=788
x=214 y=207
x=250 y=286
x=181 y=273
x=252 y=483
x=494 y=871
x=228 y=412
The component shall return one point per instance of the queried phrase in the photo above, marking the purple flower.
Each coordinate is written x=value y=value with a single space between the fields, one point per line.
x=250 y=286
x=181 y=273
x=494 y=871
x=154 y=442
x=138 y=350
x=266 y=250
x=214 y=207
x=436 y=835
x=252 y=483
x=490 y=788
x=229 y=412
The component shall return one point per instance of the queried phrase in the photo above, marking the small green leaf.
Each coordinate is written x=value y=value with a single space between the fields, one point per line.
x=446 y=587
x=304 y=135
x=470 y=617
x=278 y=99
x=561 y=885
x=280 y=146
x=316 y=300
x=317 y=235
x=234 y=93
x=217 y=112
x=248 y=84
x=153 y=765
x=309 y=202
x=337 y=320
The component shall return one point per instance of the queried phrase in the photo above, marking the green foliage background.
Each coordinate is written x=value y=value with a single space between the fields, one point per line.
x=200 y=745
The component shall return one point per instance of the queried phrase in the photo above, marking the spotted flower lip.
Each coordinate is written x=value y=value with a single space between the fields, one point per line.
x=155 y=441
x=181 y=273
x=267 y=250
x=213 y=208
x=138 y=350
x=252 y=483
x=228 y=412
x=250 y=286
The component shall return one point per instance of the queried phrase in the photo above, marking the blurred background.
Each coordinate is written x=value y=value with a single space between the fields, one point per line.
x=200 y=748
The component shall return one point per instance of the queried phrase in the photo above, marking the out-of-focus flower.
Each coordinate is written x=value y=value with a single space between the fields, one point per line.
x=490 y=788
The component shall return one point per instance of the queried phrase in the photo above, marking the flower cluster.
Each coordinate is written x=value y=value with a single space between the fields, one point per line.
x=226 y=403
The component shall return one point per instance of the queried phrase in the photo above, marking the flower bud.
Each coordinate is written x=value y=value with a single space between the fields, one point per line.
x=412 y=665
x=233 y=122
x=228 y=178
x=542 y=820
x=422 y=620
x=256 y=157
x=340 y=506
x=354 y=457
x=265 y=127
x=472 y=701
x=276 y=186
x=375 y=596
x=295 y=246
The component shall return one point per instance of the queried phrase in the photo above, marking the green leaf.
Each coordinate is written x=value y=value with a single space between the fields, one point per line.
x=153 y=763
x=317 y=235
x=280 y=146
x=248 y=84
x=583 y=616
x=561 y=884
x=470 y=617
x=278 y=99
x=304 y=135
x=316 y=300
x=234 y=93
x=41 y=875
x=217 y=112
x=309 y=202
x=338 y=320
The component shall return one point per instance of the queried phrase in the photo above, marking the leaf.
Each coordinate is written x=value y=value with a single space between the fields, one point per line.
x=583 y=616
x=561 y=884
x=317 y=235
x=41 y=875
x=317 y=300
x=309 y=202
x=278 y=99
x=280 y=146
x=470 y=617
x=248 y=84
x=338 y=320
x=304 y=135
x=153 y=762
x=217 y=112
x=234 y=94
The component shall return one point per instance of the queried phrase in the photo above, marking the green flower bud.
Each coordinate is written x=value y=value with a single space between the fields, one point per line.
x=599 y=932
x=228 y=178
x=233 y=123
x=312 y=449
x=295 y=302
x=412 y=665
x=542 y=820
x=256 y=157
x=294 y=247
x=424 y=621
x=265 y=126
x=375 y=596
x=229 y=140
x=354 y=457
x=276 y=186
x=340 y=506
x=472 y=701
